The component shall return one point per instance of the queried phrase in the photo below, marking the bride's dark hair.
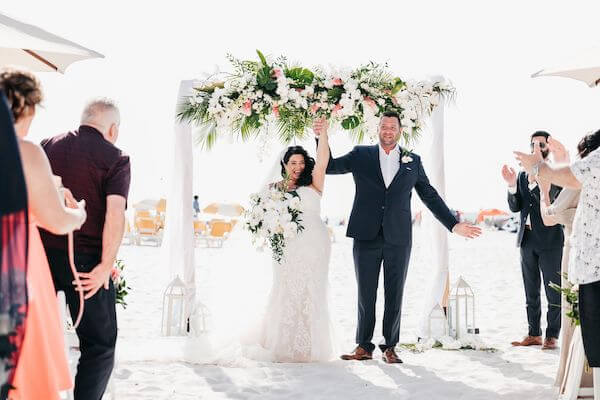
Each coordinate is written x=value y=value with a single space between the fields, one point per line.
x=305 y=178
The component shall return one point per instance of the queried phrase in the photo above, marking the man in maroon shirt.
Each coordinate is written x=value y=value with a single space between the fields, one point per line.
x=95 y=170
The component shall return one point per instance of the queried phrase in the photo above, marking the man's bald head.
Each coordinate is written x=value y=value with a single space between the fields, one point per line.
x=103 y=114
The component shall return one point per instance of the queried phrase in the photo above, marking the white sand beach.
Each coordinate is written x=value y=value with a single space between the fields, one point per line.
x=151 y=366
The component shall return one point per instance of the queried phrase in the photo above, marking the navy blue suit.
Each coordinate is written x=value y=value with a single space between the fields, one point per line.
x=381 y=226
x=541 y=251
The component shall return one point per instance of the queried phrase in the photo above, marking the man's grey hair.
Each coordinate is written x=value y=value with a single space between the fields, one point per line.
x=99 y=108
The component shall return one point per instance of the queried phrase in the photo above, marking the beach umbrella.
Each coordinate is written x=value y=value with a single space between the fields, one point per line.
x=583 y=67
x=225 y=209
x=146 y=204
x=28 y=46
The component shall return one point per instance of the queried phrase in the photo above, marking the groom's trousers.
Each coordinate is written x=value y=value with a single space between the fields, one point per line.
x=97 y=331
x=368 y=258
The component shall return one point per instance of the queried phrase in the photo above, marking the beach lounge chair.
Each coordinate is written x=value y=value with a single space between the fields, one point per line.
x=148 y=229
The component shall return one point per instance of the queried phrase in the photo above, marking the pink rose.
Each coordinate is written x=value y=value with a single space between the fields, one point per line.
x=114 y=274
x=370 y=102
x=276 y=110
x=314 y=108
x=247 y=108
x=277 y=72
x=336 y=108
x=337 y=82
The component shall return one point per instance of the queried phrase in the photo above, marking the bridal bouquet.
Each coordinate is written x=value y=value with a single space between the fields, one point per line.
x=119 y=283
x=273 y=218
x=260 y=94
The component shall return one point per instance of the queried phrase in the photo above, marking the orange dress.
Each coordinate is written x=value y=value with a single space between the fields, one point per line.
x=42 y=369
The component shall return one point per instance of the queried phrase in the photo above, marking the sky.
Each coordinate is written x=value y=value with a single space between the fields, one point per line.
x=487 y=49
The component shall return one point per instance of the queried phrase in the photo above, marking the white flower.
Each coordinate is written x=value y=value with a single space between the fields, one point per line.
x=407 y=123
x=406 y=159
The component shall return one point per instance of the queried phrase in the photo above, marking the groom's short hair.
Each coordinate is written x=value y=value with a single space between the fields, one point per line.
x=392 y=114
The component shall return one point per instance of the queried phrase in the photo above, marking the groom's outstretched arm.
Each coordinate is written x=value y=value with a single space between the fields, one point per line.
x=341 y=165
x=432 y=199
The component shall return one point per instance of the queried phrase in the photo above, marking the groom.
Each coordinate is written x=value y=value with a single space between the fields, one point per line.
x=380 y=225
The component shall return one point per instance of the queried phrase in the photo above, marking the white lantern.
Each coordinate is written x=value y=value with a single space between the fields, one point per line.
x=173 y=314
x=437 y=324
x=461 y=310
x=199 y=319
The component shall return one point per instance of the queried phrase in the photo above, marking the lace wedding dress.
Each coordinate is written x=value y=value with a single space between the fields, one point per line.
x=296 y=326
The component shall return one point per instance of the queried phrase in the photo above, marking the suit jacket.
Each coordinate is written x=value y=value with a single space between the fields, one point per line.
x=527 y=202
x=376 y=206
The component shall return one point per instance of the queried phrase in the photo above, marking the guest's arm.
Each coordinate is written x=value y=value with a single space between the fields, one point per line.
x=117 y=189
x=514 y=196
x=559 y=175
x=112 y=234
x=545 y=204
x=44 y=200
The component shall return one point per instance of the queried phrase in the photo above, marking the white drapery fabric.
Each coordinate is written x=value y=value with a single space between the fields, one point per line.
x=178 y=240
x=439 y=287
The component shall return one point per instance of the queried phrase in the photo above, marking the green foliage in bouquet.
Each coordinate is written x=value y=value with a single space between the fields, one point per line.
x=121 y=287
x=572 y=297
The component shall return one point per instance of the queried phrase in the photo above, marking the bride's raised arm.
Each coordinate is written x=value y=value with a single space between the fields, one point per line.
x=320 y=128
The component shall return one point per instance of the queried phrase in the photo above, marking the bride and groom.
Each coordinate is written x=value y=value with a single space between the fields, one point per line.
x=297 y=326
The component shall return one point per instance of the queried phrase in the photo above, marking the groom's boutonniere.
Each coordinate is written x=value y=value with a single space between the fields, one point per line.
x=405 y=157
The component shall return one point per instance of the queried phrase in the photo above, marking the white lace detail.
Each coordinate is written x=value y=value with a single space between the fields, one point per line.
x=296 y=326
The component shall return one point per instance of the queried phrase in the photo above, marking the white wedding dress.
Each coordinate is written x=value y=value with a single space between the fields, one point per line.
x=296 y=326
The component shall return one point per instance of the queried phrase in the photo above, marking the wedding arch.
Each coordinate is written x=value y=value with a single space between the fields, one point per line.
x=242 y=106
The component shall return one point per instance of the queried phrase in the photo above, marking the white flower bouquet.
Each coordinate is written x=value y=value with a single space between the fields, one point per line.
x=291 y=97
x=273 y=218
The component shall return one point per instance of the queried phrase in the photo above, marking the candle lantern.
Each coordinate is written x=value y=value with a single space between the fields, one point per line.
x=437 y=324
x=461 y=310
x=173 y=314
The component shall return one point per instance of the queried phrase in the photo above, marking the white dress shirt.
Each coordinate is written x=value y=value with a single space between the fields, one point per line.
x=389 y=163
x=513 y=190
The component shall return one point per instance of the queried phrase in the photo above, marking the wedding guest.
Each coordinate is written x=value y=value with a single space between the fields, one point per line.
x=541 y=248
x=196 y=206
x=42 y=370
x=97 y=171
x=562 y=211
x=584 y=265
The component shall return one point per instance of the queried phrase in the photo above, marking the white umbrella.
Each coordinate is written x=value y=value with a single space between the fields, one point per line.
x=31 y=47
x=583 y=67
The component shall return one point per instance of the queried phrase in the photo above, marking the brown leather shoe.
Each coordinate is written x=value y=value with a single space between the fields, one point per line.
x=529 y=341
x=359 y=354
x=549 y=344
x=390 y=356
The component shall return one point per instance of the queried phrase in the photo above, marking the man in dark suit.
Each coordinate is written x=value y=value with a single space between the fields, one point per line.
x=380 y=223
x=541 y=248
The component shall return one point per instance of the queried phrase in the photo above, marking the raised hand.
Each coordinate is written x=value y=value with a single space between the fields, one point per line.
x=528 y=161
x=509 y=175
x=467 y=230
x=320 y=126
x=559 y=152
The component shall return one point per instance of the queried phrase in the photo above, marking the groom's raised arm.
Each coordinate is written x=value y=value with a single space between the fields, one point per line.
x=341 y=165
x=432 y=199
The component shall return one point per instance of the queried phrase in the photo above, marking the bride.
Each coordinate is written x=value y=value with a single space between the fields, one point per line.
x=296 y=326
